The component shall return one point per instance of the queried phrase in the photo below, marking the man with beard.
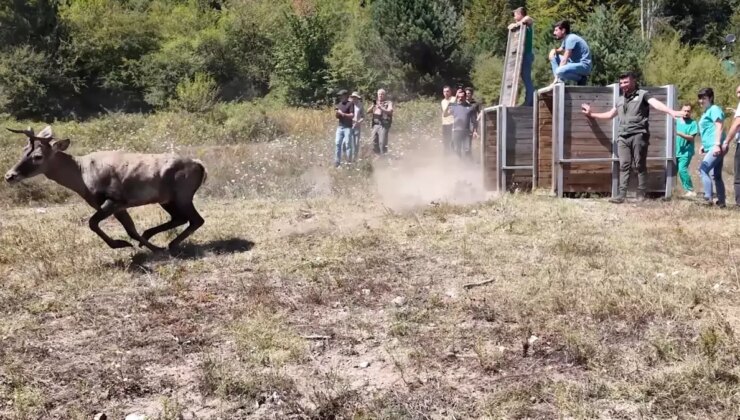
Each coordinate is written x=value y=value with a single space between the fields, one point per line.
x=633 y=134
x=572 y=60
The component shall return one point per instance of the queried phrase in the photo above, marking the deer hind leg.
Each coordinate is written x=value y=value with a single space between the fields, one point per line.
x=194 y=219
x=130 y=228
x=177 y=220
x=106 y=210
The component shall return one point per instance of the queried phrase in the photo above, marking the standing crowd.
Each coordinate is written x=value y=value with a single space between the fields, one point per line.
x=571 y=62
x=350 y=114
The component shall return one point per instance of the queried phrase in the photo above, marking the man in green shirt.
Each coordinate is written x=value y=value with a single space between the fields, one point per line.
x=686 y=131
x=633 y=109
x=522 y=20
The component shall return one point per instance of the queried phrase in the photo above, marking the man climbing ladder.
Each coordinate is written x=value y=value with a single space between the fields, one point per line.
x=522 y=20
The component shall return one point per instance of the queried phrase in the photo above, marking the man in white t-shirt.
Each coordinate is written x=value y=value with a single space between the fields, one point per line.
x=733 y=134
x=447 y=119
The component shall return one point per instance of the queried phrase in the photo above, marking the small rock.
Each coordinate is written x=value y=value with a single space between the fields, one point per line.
x=531 y=340
x=364 y=365
x=100 y=416
x=399 y=301
x=474 y=211
x=660 y=275
x=452 y=293
x=366 y=292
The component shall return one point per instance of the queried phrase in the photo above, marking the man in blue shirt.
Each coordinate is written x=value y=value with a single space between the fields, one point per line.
x=572 y=61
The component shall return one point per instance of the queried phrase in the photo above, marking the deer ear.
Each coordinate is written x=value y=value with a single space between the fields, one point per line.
x=46 y=133
x=60 y=145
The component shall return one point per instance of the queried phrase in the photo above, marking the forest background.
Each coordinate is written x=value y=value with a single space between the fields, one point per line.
x=77 y=59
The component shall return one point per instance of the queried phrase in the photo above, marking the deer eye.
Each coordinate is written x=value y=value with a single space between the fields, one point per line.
x=37 y=158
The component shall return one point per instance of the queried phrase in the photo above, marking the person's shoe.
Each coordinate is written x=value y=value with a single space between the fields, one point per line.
x=690 y=194
x=722 y=205
x=707 y=202
x=640 y=198
x=617 y=200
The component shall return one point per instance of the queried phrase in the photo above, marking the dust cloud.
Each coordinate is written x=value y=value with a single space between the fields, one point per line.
x=421 y=178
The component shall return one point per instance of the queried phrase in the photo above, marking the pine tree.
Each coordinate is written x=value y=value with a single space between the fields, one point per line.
x=426 y=36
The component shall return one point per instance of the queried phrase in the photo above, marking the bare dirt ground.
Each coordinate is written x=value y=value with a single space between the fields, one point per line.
x=414 y=297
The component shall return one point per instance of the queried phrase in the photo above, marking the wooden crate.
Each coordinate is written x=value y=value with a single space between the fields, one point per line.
x=507 y=148
x=576 y=154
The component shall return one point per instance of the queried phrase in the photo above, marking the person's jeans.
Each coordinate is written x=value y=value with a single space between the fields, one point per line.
x=344 y=138
x=570 y=71
x=711 y=170
x=461 y=140
x=356 y=133
x=737 y=175
x=380 y=139
x=683 y=172
x=447 y=138
x=527 y=62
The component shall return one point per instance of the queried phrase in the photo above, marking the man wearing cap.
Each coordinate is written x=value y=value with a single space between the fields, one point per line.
x=345 y=112
x=359 y=117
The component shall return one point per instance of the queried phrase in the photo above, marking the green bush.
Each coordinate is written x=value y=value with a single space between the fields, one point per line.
x=487 y=73
x=690 y=68
x=27 y=79
x=196 y=95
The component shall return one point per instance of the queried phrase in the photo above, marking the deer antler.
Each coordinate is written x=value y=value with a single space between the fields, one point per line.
x=29 y=131
x=31 y=135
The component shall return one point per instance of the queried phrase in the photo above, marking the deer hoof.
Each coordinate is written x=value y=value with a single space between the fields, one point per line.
x=120 y=244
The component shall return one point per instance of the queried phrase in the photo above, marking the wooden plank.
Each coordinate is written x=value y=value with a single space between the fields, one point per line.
x=490 y=154
x=512 y=66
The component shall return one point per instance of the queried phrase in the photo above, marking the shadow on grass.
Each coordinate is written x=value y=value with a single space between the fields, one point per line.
x=137 y=263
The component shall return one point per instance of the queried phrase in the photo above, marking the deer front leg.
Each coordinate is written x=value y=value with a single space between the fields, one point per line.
x=128 y=224
x=108 y=208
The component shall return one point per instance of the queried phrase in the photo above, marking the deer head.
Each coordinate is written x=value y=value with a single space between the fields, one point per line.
x=37 y=154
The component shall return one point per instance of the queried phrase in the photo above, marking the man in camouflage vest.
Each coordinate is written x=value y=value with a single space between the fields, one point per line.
x=633 y=134
x=382 y=118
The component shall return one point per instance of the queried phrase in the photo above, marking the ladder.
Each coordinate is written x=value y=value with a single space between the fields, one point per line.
x=512 y=66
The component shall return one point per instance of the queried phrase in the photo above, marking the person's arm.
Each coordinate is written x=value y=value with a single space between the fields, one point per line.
x=732 y=133
x=660 y=106
x=566 y=56
x=446 y=109
x=717 y=150
x=608 y=115
x=388 y=108
x=686 y=137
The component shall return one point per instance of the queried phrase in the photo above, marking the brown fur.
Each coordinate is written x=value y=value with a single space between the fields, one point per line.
x=112 y=181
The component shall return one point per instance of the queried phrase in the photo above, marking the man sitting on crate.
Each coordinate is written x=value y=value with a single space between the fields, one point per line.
x=633 y=134
x=572 y=60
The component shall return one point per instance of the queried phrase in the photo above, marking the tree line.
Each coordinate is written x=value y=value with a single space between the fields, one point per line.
x=72 y=59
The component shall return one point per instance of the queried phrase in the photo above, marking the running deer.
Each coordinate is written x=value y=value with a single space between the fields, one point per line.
x=112 y=181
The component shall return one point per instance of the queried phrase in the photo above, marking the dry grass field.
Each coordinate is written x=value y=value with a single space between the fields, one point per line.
x=392 y=289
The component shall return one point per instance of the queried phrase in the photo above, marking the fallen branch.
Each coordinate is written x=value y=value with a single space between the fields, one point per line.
x=482 y=283
x=316 y=337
